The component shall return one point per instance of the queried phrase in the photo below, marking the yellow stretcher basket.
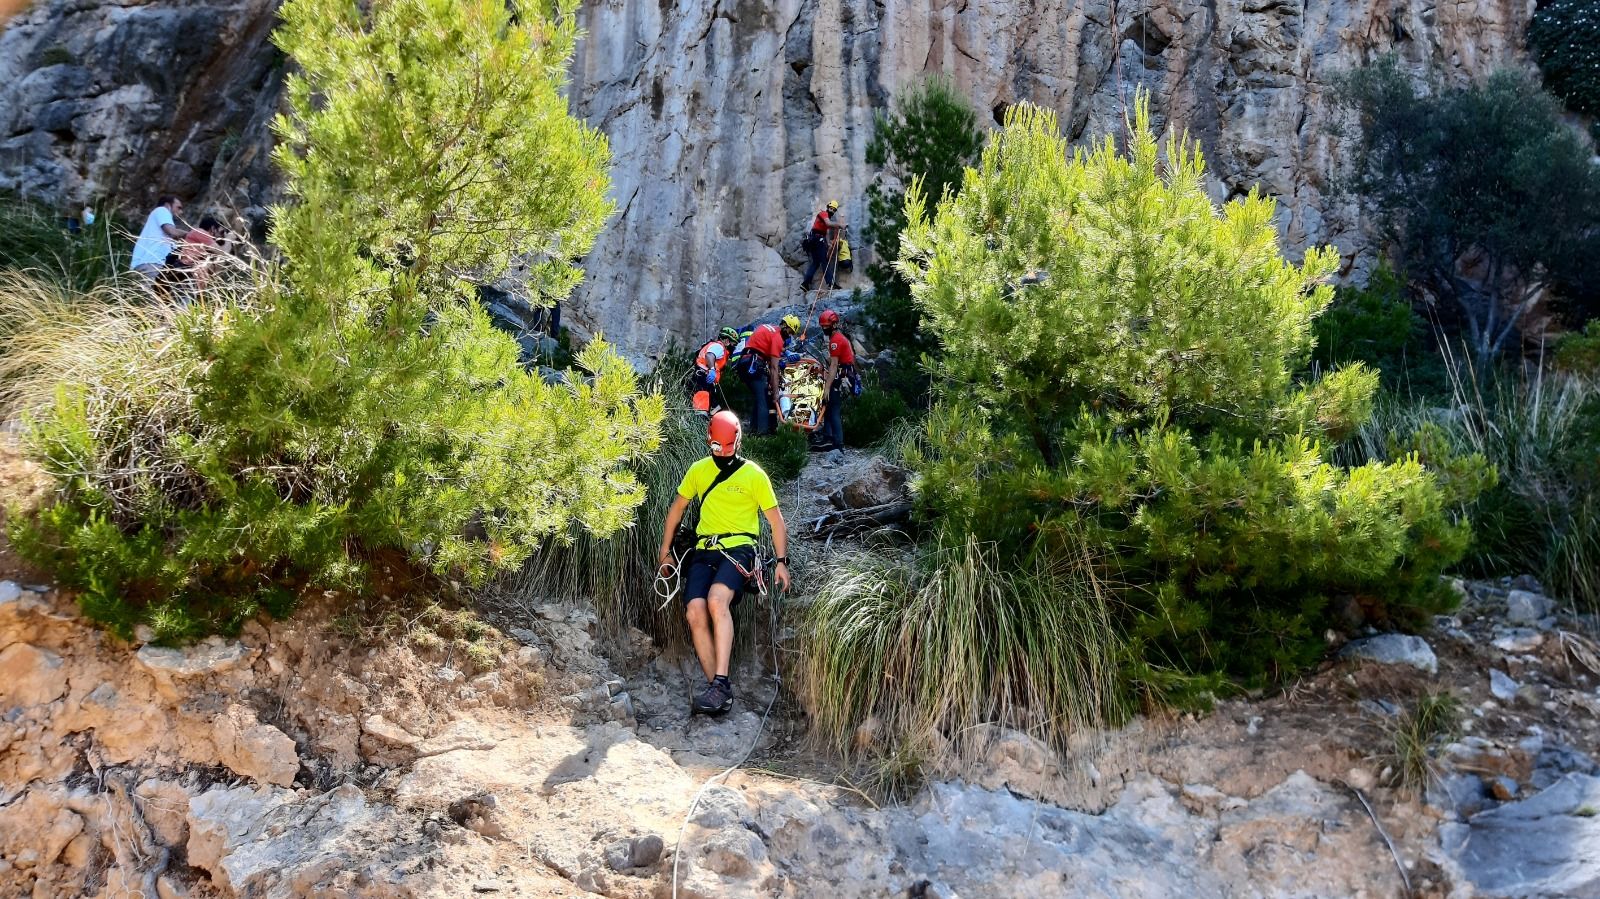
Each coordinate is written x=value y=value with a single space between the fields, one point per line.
x=800 y=395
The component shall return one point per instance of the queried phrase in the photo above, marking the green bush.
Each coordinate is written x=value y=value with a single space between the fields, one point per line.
x=930 y=136
x=1119 y=365
x=1564 y=35
x=1376 y=325
x=870 y=417
x=1579 y=353
x=616 y=573
x=1541 y=432
x=357 y=406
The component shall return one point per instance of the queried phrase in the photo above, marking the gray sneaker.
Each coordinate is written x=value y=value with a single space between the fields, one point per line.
x=713 y=700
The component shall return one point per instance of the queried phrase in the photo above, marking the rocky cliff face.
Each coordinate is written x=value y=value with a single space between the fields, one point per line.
x=120 y=101
x=732 y=120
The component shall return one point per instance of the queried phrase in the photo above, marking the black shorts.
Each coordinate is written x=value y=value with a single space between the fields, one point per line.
x=705 y=567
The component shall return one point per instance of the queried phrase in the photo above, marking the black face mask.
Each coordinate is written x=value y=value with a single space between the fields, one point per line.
x=723 y=462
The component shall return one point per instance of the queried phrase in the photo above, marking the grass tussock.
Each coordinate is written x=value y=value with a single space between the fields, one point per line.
x=1415 y=734
x=35 y=239
x=908 y=663
x=1540 y=429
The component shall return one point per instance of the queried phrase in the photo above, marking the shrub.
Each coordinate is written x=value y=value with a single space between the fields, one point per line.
x=1579 y=353
x=870 y=417
x=908 y=658
x=56 y=55
x=930 y=136
x=1375 y=324
x=1118 y=365
x=1487 y=196
x=1564 y=35
x=358 y=405
x=617 y=572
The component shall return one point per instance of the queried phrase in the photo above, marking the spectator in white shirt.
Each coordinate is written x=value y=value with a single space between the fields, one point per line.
x=158 y=238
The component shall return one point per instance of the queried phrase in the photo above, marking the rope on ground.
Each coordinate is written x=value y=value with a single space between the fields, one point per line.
x=777 y=686
x=1398 y=865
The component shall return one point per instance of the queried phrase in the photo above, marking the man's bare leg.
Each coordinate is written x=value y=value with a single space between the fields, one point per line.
x=700 y=633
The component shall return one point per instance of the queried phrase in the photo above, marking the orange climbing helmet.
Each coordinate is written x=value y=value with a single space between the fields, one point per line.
x=828 y=319
x=724 y=433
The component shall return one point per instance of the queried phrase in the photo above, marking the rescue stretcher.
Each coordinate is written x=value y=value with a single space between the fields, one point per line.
x=800 y=394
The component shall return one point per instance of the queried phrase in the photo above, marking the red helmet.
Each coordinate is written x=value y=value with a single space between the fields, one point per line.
x=724 y=433
x=828 y=319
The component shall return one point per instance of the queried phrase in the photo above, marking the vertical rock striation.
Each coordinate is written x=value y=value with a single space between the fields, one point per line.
x=731 y=120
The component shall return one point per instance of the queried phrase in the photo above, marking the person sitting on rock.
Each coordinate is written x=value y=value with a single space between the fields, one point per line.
x=734 y=493
x=158 y=238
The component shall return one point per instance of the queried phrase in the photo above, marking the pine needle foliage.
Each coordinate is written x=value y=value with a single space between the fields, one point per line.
x=931 y=133
x=1565 y=39
x=1120 y=365
x=354 y=404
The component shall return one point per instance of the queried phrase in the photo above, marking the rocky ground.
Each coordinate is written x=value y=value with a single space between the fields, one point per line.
x=325 y=757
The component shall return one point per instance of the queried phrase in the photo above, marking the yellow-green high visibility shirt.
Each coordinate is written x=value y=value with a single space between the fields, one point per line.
x=736 y=505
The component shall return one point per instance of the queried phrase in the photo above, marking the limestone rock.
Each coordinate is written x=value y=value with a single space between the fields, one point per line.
x=720 y=806
x=387 y=732
x=1518 y=640
x=730 y=127
x=1502 y=686
x=635 y=853
x=171 y=666
x=1393 y=649
x=880 y=483
x=1527 y=607
x=30 y=676
x=145 y=97
x=253 y=749
x=37 y=828
x=1544 y=845
x=164 y=805
x=248 y=838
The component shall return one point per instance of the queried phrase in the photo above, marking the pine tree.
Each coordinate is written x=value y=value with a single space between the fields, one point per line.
x=1122 y=362
x=358 y=404
x=931 y=134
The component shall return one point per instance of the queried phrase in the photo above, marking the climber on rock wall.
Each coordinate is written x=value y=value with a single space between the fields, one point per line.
x=821 y=245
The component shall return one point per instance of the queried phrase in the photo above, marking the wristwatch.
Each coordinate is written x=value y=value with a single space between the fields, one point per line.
x=781 y=560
